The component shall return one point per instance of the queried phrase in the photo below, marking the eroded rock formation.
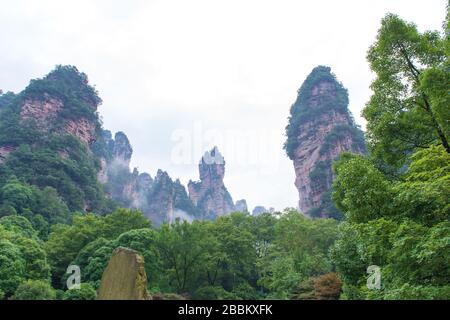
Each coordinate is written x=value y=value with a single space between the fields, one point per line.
x=210 y=195
x=43 y=110
x=259 y=210
x=121 y=149
x=320 y=129
x=82 y=128
x=241 y=205
x=161 y=199
x=4 y=152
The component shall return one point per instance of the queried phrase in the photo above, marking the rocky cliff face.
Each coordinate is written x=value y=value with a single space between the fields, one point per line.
x=259 y=210
x=163 y=199
x=55 y=119
x=168 y=200
x=62 y=103
x=4 y=152
x=121 y=149
x=114 y=156
x=50 y=126
x=160 y=199
x=210 y=195
x=44 y=112
x=82 y=128
x=320 y=129
x=241 y=206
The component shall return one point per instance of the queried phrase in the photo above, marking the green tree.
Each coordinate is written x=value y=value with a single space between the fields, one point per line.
x=424 y=192
x=409 y=107
x=405 y=231
x=94 y=257
x=18 y=231
x=35 y=290
x=361 y=190
x=52 y=207
x=181 y=247
x=122 y=220
x=86 y=292
x=299 y=251
x=66 y=241
x=18 y=225
x=238 y=248
x=17 y=195
x=12 y=266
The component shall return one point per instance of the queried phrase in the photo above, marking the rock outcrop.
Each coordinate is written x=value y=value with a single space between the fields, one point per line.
x=320 y=129
x=259 y=210
x=168 y=200
x=4 y=152
x=55 y=119
x=210 y=195
x=43 y=111
x=241 y=206
x=51 y=113
x=160 y=199
x=137 y=189
x=83 y=129
x=124 y=278
x=121 y=149
x=126 y=187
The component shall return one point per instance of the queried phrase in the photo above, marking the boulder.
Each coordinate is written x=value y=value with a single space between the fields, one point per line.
x=124 y=278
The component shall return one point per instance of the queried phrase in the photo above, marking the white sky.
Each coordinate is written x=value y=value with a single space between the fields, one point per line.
x=203 y=69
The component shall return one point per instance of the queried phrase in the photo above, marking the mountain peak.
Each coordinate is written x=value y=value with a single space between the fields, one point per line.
x=320 y=128
x=210 y=194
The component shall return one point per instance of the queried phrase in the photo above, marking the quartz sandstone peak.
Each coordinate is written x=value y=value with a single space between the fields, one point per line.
x=320 y=129
x=122 y=150
x=210 y=195
x=160 y=199
x=259 y=210
x=62 y=102
x=241 y=205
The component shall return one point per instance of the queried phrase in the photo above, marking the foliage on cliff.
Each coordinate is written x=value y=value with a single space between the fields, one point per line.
x=72 y=87
x=46 y=157
x=320 y=128
x=304 y=111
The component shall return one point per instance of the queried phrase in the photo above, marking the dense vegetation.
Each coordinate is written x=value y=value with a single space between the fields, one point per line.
x=234 y=257
x=44 y=158
x=409 y=109
x=394 y=201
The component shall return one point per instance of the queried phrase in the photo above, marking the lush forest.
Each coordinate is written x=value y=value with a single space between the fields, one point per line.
x=394 y=200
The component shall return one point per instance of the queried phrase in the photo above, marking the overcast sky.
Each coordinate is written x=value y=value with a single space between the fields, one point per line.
x=180 y=76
